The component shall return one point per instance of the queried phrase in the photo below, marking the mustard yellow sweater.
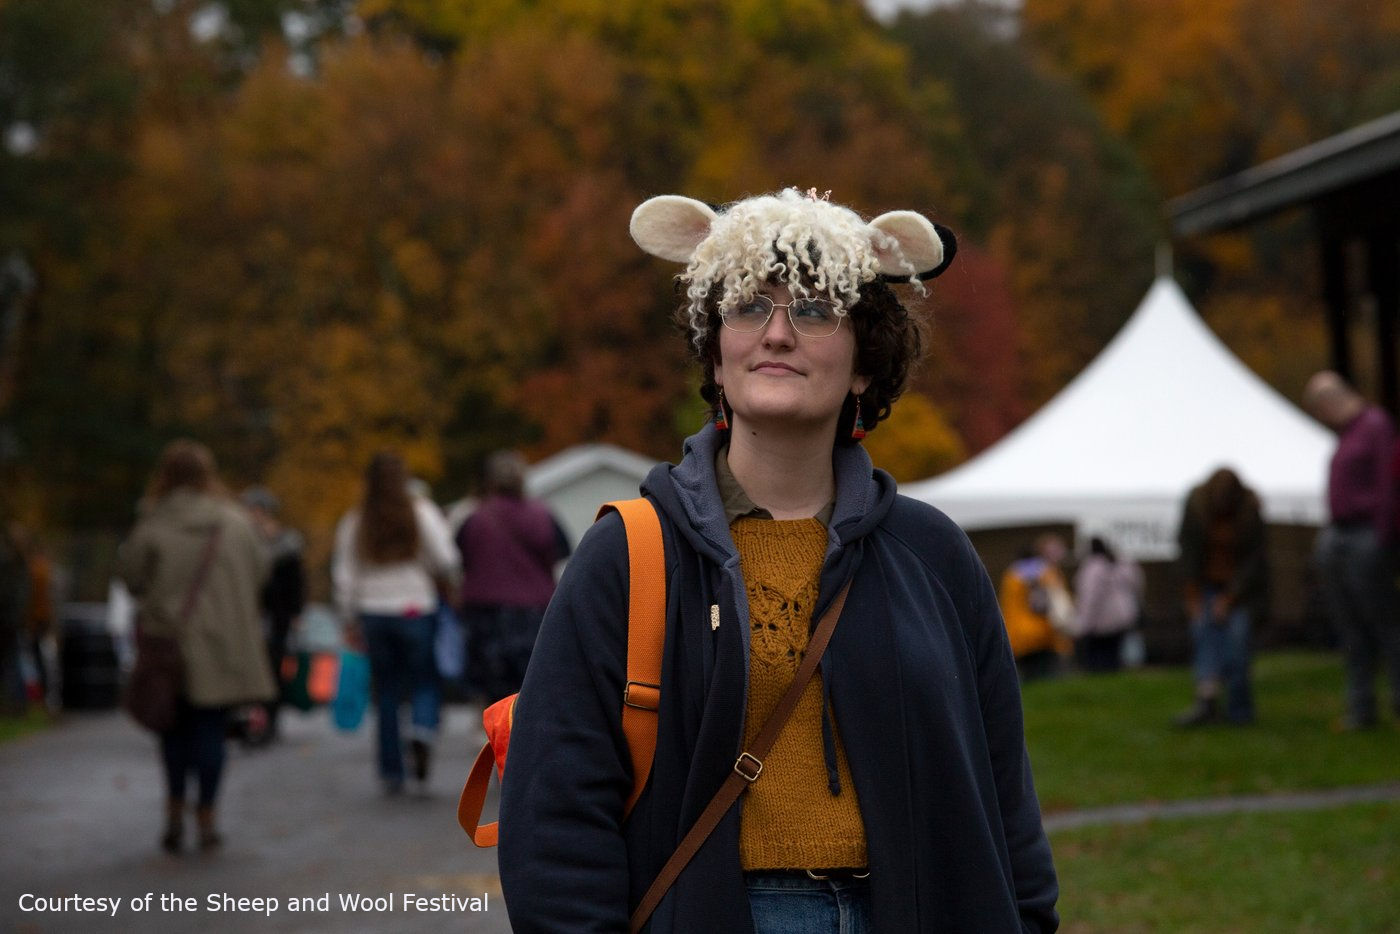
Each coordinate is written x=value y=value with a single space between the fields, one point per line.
x=791 y=820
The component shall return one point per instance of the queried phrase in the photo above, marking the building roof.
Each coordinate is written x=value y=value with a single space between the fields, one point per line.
x=1352 y=158
x=568 y=465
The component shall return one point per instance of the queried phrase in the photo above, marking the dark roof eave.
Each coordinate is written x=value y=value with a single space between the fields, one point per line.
x=1296 y=178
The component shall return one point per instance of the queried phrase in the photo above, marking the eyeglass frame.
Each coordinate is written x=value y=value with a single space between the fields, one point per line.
x=787 y=307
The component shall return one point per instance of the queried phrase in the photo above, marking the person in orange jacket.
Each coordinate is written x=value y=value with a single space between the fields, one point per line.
x=1037 y=607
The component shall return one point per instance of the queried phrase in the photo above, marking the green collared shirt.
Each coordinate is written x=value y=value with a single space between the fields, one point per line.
x=737 y=504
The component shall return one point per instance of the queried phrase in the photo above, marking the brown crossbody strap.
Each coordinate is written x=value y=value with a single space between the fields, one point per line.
x=201 y=574
x=747 y=767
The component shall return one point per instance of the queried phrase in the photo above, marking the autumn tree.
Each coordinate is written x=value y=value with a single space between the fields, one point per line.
x=916 y=441
x=1205 y=88
x=1068 y=218
x=421 y=242
x=1202 y=90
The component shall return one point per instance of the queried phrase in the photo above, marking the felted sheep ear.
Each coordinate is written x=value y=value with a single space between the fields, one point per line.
x=927 y=247
x=671 y=226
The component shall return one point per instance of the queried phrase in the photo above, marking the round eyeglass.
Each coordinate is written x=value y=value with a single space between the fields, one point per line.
x=810 y=317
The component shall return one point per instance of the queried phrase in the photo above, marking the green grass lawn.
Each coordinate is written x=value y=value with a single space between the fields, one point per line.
x=1108 y=739
x=1332 y=871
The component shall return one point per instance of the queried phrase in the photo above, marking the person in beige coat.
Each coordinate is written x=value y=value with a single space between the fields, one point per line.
x=189 y=524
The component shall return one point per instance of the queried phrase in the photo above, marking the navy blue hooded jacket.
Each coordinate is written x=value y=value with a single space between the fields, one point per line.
x=921 y=682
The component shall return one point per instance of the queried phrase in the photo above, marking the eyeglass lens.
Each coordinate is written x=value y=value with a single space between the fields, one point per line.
x=810 y=317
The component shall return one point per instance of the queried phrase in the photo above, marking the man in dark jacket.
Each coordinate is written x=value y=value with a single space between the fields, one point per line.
x=922 y=686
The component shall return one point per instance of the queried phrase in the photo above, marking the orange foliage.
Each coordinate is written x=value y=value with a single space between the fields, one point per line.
x=1204 y=88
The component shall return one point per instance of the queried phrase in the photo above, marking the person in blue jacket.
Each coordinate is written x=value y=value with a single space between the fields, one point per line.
x=899 y=795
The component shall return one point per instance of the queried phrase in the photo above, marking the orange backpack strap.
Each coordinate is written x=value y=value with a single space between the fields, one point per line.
x=646 y=634
x=497 y=719
x=473 y=799
x=641 y=695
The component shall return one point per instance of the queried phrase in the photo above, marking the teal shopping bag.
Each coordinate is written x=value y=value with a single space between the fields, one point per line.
x=352 y=691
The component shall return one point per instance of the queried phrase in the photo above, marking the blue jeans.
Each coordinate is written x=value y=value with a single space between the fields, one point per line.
x=401 y=663
x=791 y=903
x=1223 y=657
x=195 y=743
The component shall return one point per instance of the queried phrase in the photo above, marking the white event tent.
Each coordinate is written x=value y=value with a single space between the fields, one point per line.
x=1163 y=405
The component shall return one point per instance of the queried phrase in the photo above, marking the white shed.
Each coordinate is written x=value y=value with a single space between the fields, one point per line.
x=577 y=480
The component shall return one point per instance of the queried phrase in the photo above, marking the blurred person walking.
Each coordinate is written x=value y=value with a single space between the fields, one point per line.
x=1038 y=608
x=509 y=546
x=1352 y=551
x=393 y=555
x=1224 y=561
x=1108 y=598
x=196 y=567
x=284 y=594
x=39 y=633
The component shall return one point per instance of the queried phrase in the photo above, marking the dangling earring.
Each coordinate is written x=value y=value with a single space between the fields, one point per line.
x=721 y=420
x=858 y=429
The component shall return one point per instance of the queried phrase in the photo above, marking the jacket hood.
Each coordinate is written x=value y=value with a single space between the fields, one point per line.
x=689 y=494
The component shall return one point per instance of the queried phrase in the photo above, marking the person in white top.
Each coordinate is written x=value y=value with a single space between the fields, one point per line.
x=391 y=553
x=1109 y=592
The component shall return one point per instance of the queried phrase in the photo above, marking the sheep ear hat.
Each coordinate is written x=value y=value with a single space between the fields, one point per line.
x=800 y=239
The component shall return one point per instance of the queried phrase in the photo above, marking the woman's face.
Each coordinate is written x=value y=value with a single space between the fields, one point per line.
x=777 y=376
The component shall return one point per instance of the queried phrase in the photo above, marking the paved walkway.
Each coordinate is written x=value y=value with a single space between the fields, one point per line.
x=81 y=808
x=1209 y=807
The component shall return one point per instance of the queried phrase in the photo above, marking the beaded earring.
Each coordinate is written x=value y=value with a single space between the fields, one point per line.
x=858 y=429
x=721 y=419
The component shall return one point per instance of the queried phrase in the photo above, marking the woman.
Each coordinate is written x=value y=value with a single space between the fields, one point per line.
x=196 y=566
x=899 y=795
x=1225 y=563
x=1109 y=590
x=391 y=556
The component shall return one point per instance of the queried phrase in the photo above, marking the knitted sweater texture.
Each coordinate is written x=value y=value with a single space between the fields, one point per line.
x=791 y=820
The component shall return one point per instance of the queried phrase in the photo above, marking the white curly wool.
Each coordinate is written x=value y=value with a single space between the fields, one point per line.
x=805 y=242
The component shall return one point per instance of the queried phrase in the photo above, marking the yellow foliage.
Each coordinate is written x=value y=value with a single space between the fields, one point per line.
x=915 y=442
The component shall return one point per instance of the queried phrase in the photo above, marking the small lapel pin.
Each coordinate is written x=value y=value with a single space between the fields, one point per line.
x=714 y=616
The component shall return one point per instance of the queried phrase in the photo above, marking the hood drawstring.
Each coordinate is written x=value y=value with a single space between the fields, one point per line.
x=833 y=777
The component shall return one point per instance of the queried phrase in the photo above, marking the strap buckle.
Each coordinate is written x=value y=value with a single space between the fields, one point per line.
x=749 y=767
x=642 y=695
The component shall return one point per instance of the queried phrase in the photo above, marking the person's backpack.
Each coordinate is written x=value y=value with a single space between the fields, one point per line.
x=641 y=696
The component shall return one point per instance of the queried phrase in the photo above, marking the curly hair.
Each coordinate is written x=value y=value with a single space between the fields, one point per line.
x=889 y=344
x=811 y=245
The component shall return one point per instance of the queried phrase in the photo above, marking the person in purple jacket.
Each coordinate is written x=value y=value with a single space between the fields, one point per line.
x=1351 y=549
x=509 y=547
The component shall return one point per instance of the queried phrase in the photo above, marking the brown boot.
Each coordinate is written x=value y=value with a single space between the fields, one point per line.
x=209 y=838
x=174 y=835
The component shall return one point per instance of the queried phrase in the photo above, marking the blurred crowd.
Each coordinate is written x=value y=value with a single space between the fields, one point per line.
x=434 y=608
x=1222 y=571
x=451 y=603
